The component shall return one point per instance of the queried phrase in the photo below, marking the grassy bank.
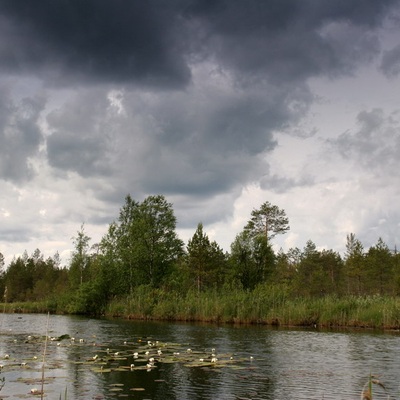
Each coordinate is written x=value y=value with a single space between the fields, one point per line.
x=30 y=307
x=264 y=305
x=261 y=306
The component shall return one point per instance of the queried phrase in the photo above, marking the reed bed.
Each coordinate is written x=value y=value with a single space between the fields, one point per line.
x=265 y=305
x=262 y=306
x=39 y=307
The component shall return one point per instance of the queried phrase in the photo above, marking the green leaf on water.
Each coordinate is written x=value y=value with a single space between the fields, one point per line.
x=62 y=337
x=101 y=370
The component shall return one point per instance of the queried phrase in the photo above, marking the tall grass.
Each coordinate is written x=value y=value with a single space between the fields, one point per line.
x=40 y=307
x=264 y=305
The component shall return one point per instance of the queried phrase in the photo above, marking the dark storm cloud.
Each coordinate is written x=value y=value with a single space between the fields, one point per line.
x=289 y=40
x=231 y=74
x=67 y=41
x=20 y=135
x=154 y=43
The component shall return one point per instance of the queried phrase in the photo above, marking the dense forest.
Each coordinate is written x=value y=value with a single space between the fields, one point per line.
x=141 y=257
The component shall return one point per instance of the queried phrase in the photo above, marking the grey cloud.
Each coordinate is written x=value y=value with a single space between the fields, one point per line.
x=81 y=138
x=15 y=235
x=20 y=135
x=289 y=41
x=380 y=223
x=376 y=145
x=207 y=141
x=390 y=64
x=201 y=141
x=281 y=184
x=192 y=210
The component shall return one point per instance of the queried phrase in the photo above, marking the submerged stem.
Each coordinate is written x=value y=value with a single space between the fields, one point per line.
x=44 y=355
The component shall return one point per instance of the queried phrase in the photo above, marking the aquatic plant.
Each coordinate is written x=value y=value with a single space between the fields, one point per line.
x=65 y=394
x=366 y=392
x=44 y=355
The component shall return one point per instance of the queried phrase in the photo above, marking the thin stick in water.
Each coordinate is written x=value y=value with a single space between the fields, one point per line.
x=44 y=355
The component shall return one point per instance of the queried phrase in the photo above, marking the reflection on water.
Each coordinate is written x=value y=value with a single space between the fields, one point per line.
x=268 y=363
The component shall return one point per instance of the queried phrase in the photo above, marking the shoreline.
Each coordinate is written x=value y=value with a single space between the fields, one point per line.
x=239 y=308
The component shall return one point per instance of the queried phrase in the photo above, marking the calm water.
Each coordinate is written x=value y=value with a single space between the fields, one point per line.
x=267 y=364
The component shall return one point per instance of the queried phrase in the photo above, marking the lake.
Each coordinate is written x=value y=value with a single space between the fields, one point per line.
x=191 y=361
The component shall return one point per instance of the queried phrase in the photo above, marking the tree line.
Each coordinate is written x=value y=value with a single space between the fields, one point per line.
x=142 y=249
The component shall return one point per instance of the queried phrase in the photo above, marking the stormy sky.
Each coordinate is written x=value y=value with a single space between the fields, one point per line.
x=218 y=105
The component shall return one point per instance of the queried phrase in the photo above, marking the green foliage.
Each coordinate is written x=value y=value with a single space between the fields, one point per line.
x=160 y=244
x=141 y=247
x=286 y=266
x=89 y=299
x=205 y=261
x=18 y=280
x=379 y=268
x=396 y=272
x=31 y=278
x=318 y=273
x=80 y=258
x=252 y=259
x=269 y=220
x=140 y=270
x=354 y=265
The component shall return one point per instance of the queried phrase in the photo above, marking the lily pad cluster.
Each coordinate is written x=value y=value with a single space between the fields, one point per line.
x=149 y=354
x=24 y=360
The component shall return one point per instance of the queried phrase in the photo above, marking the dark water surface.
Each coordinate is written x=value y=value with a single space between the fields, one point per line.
x=266 y=363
